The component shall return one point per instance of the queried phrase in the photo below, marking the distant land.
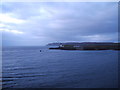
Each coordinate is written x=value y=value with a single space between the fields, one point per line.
x=85 y=46
x=80 y=43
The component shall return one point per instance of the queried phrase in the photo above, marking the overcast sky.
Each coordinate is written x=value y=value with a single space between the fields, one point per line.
x=37 y=23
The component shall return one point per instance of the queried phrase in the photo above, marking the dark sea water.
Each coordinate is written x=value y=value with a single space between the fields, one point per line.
x=27 y=67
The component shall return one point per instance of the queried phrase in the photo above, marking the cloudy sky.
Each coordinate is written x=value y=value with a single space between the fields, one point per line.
x=40 y=23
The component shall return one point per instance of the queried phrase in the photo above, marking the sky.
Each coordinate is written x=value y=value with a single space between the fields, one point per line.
x=40 y=23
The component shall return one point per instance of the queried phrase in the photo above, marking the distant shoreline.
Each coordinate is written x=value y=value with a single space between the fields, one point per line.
x=85 y=46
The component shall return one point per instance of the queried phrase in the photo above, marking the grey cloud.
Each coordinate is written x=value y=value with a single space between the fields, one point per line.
x=66 y=21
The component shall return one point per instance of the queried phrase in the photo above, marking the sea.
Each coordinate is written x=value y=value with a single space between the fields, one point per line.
x=40 y=67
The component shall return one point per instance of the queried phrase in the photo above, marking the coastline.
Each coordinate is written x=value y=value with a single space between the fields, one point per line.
x=86 y=46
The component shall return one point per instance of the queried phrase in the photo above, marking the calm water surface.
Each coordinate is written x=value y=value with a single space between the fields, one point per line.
x=27 y=67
